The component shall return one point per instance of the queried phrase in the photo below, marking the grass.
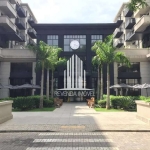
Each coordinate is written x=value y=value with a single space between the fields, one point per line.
x=109 y=110
x=114 y=110
x=35 y=110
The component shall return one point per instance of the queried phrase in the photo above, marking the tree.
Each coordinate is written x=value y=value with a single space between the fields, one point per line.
x=136 y=4
x=98 y=60
x=51 y=63
x=110 y=55
x=42 y=52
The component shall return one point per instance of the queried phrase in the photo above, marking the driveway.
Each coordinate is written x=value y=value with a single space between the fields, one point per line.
x=74 y=116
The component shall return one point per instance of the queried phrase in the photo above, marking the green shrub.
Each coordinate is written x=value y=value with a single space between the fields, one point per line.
x=102 y=103
x=29 y=102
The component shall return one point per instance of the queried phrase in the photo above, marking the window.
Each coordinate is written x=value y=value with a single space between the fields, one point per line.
x=95 y=38
x=80 y=38
x=135 y=67
x=52 y=40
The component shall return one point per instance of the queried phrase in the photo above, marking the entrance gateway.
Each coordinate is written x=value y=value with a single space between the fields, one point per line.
x=74 y=82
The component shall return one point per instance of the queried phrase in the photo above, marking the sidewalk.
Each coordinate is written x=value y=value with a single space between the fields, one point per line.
x=74 y=117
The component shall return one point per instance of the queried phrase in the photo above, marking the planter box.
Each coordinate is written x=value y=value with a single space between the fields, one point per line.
x=5 y=111
x=143 y=111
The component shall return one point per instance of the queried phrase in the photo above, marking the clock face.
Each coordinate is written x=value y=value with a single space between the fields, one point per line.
x=74 y=44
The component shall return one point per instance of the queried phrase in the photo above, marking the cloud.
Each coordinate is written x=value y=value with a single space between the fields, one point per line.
x=74 y=11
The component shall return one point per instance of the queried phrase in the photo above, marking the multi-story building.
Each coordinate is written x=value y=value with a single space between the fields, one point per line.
x=16 y=31
x=132 y=36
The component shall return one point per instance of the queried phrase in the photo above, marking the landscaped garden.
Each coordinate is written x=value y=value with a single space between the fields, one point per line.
x=120 y=103
x=31 y=103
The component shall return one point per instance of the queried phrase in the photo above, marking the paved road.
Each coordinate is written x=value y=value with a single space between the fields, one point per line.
x=74 y=114
x=75 y=141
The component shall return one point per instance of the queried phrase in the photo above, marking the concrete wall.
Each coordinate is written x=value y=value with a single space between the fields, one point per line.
x=4 y=78
x=143 y=111
x=145 y=75
x=5 y=111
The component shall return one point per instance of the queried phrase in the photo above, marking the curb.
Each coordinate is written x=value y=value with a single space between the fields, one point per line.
x=18 y=131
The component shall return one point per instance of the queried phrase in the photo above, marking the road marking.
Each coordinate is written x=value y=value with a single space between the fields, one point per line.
x=45 y=134
x=71 y=140
x=72 y=148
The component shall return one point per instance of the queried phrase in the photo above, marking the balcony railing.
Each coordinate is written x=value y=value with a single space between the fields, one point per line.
x=32 y=33
x=20 y=24
x=129 y=35
x=118 y=43
x=118 y=32
x=119 y=21
x=8 y=9
x=31 y=42
x=127 y=12
x=130 y=23
x=31 y=21
x=20 y=11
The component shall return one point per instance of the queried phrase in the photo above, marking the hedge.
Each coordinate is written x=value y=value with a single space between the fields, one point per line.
x=29 y=102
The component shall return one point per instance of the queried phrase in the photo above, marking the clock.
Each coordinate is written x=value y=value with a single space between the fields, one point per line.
x=74 y=44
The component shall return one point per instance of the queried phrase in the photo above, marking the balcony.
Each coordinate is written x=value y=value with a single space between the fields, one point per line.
x=118 y=43
x=31 y=42
x=142 y=24
x=130 y=35
x=16 y=36
x=130 y=23
x=8 y=9
x=13 y=1
x=119 y=21
x=141 y=11
x=7 y=24
x=127 y=12
x=31 y=21
x=20 y=24
x=118 y=32
x=32 y=33
x=20 y=11
x=129 y=75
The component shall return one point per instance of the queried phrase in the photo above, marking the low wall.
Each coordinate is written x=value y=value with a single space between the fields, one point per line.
x=5 y=111
x=143 y=111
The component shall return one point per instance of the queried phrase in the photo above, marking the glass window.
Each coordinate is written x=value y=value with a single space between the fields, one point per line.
x=52 y=40
x=80 y=38
x=95 y=38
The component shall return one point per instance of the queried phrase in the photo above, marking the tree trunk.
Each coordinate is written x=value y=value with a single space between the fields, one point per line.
x=52 y=86
x=98 y=84
x=47 y=88
x=101 y=82
x=108 y=90
x=42 y=84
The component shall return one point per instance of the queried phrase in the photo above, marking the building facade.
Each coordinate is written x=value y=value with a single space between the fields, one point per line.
x=62 y=35
x=132 y=37
x=16 y=31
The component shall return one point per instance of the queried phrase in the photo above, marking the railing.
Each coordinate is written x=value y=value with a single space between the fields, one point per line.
x=130 y=20
x=18 y=20
x=19 y=8
x=32 y=30
x=118 y=30
x=128 y=35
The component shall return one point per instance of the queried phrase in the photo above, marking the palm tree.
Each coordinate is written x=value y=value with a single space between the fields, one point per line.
x=137 y=4
x=51 y=63
x=110 y=55
x=97 y=60
x=42 y=52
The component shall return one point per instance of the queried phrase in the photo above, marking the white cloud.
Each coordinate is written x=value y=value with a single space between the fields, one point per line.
x=75 y=11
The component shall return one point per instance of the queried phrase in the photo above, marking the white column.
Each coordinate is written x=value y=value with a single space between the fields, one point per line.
x=76 y=70
x=70 y=74
x=67 y=74
x=81 y=74
x=64 y=79
x=84 y=78
x=73 y=71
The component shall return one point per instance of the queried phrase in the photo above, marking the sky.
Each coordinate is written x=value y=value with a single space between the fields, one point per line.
x=75 y=11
